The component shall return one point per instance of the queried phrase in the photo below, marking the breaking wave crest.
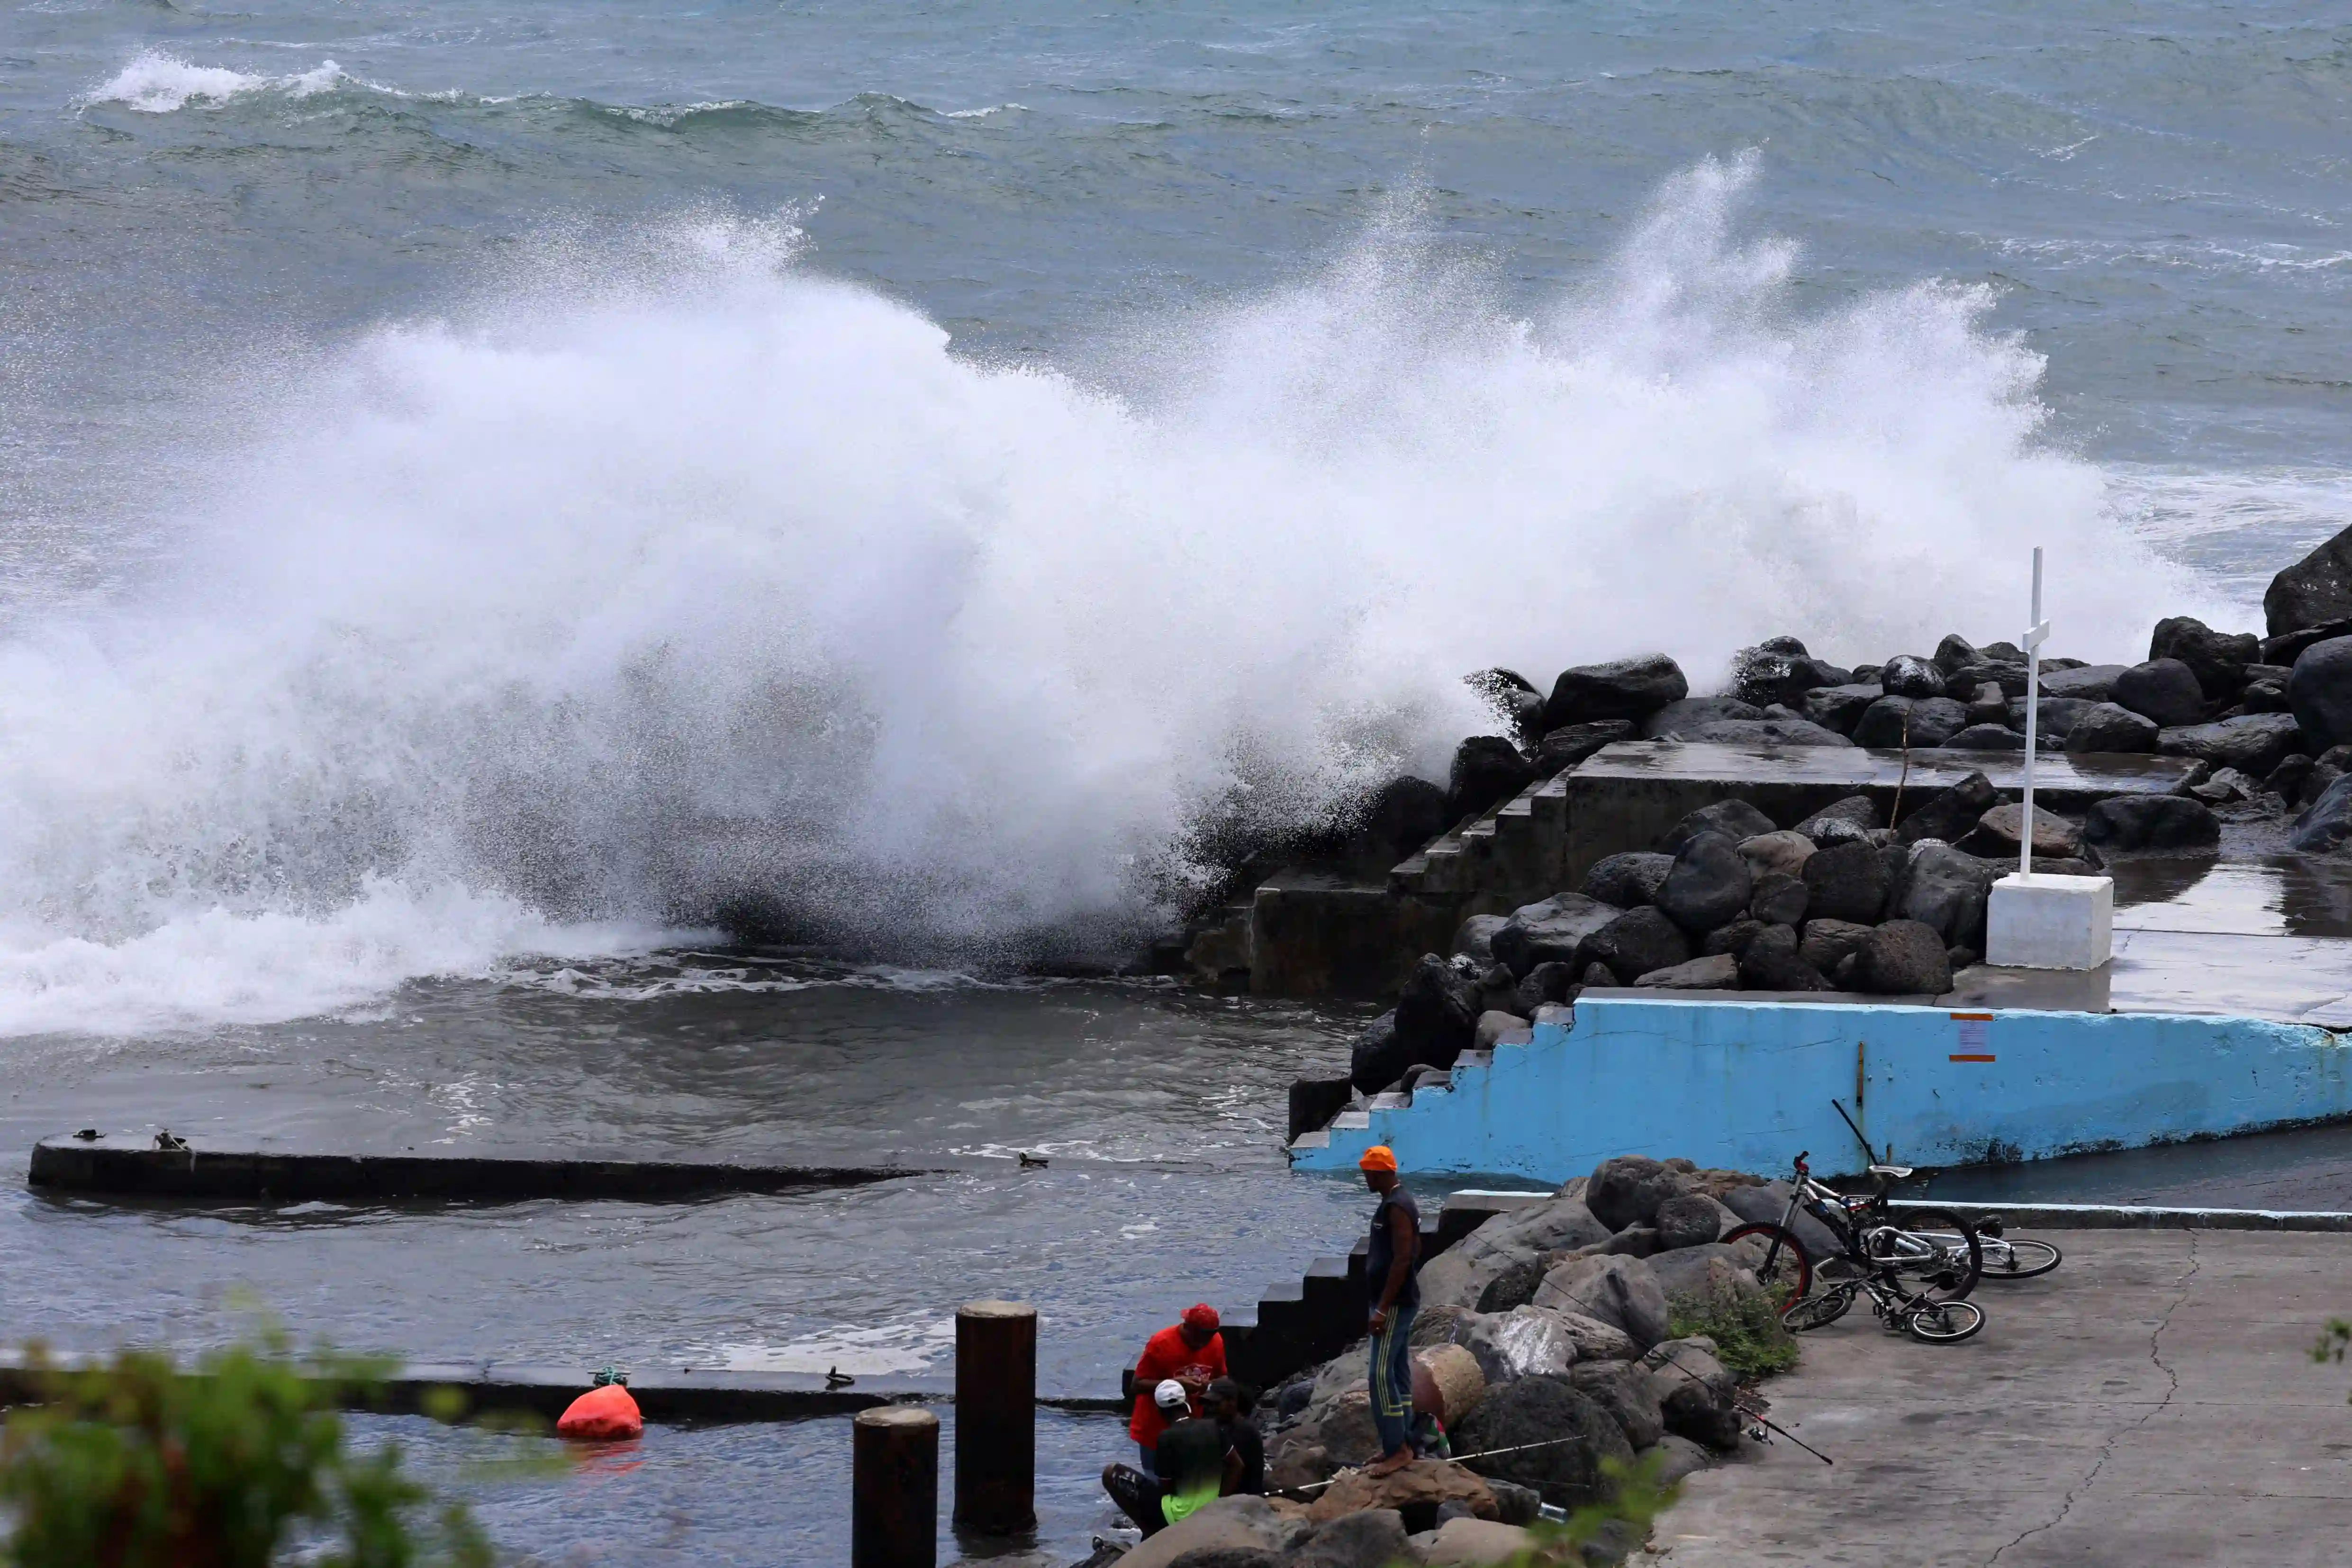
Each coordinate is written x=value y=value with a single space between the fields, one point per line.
x=154 y=82
x=675 y=585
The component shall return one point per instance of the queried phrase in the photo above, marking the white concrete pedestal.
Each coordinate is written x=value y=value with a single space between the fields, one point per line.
x=2051 y=922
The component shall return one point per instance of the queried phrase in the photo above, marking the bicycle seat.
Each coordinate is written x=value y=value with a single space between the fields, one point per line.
x=1897 y=1172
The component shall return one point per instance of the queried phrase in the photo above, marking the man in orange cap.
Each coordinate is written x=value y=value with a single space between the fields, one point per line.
x=1191 y=1352
x=1387 y=1273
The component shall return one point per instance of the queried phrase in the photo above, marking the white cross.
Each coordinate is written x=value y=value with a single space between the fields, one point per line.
x=2035 y=635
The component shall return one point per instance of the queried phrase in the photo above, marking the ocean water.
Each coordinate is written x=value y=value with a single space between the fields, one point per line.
x=501 y=500
x=492 y=479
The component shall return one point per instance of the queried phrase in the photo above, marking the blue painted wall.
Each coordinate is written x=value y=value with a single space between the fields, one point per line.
x=1747 y=1085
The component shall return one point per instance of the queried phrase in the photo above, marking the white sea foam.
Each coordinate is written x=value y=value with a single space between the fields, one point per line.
x=677 y=580
x=158 y=83
x=208 y=965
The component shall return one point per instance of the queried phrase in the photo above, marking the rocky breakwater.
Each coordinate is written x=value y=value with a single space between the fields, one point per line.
x=1729 y=901
x=1605 y=1325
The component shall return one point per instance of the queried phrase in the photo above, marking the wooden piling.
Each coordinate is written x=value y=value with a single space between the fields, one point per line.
x=996 y=1418
x=894 y=1511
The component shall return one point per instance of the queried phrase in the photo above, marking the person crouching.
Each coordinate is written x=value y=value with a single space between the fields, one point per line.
x=1192 y=1464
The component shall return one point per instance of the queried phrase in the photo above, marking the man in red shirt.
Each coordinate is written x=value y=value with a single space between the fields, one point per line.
x=1192 y=1353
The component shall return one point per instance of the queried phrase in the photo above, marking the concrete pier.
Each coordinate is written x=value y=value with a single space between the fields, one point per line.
x=128 y=1165
x=2150 y=1404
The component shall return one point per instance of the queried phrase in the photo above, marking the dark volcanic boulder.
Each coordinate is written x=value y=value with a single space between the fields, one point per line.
x=1708 y=886
x=1487 y=771
x=2325 y=824
x=1406 y=814
x=1437 y=1012
x=1847 y=882
x=2008 y=679
x=2162 y=689
x=1955 y=652
x=2254 y=743
x=2091 y=682
x=2286 y=649
x=1532 y=1414
x=1697 y=1395
x=1378 y=1058
x=1827 y=942
x=1546 y=983
x=1622 y=689
x=2218 y=659
x=1949 y=813
x=1768 y=730
x=1551 y=931
x=1779 y=899
x=1986 y=738
x=1736 y=819
x=1766 y=675
x=1857 y=810
x=2110 y=727
x=1688 y=1219
x=1369 y=1538
x=2151 y=822
x=1628 y=880
x=1839 y=708
x=2316 y=589
x=2055 y=837
x=1731 y=938
x=1945 y=888
x=1769 y=963
x=1562 y=748
x=1903 y=958
x=1893 y=722
x=2058 y=717
x=1637 y=942
x=1623 y=1389
x=1905 y=675
x=2319 y=692
x=1630 y=1189
x=1679 y=721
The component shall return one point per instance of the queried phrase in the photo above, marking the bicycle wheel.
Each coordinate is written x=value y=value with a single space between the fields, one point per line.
x=2017 y=1258
x=1782 y=1266
x=1816 y=1311
x=1937 y=1254
x=1944 y=1322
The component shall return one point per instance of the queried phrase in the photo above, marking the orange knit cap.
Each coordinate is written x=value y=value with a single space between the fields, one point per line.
x=1379 y=1157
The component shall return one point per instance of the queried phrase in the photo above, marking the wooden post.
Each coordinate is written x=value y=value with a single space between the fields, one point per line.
x=894 y=1509
x=996 y=1418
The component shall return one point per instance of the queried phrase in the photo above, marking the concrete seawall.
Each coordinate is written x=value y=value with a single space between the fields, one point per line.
x=125 y=1166
x=1747 y=1084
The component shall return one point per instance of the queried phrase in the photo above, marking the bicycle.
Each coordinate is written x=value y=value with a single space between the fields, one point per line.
x=1923 y=1317
x=2006 y=1256
x=1945 y=1255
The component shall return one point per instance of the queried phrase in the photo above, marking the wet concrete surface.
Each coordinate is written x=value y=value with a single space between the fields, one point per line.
x=2152 y=1402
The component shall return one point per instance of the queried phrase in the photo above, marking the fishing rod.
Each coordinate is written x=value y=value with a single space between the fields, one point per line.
x=1454 y=1459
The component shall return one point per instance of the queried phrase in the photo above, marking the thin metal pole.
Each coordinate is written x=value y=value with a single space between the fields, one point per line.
x=2035 y=632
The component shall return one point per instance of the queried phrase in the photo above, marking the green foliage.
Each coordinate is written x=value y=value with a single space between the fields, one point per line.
x=136 y=1464
x=1750 y=1341
x=1620 y=1523
x=2331 y=1343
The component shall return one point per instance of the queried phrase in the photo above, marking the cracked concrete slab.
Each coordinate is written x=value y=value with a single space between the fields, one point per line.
x=2151 y=1403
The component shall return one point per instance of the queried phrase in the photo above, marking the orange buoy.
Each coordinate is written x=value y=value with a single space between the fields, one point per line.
x=605 y=1415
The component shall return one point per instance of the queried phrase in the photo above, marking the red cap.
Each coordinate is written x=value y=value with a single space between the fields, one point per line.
x=1201 y=1317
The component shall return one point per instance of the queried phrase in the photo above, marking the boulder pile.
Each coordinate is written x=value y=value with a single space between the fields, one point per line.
x=1550 y=1326
x=1728 y=900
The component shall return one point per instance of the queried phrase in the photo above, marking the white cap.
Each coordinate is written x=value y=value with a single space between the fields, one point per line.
x=1171 y=1394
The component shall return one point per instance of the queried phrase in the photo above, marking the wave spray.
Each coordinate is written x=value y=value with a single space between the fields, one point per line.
x=683 y=585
